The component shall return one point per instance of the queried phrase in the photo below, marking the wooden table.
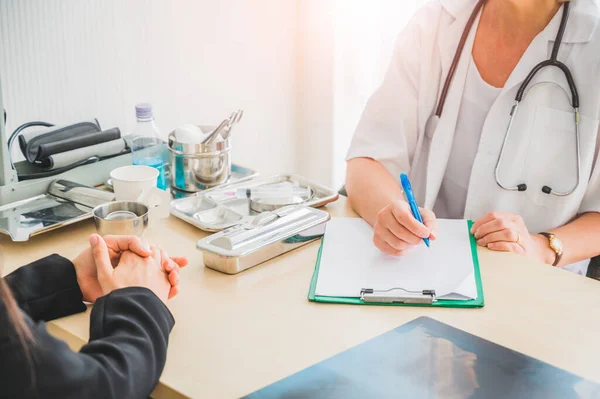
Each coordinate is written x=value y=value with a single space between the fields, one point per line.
x=236 y=334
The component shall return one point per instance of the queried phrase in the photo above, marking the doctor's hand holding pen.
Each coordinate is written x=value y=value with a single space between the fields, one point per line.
x=402 y=225
x=378 y=198
x=396 y=230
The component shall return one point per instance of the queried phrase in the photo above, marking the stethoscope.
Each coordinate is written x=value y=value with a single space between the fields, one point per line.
x=520 y=94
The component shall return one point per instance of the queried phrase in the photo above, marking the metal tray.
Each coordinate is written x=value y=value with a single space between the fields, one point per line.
x=64 y=203
x=266 y=236
x=210 y=214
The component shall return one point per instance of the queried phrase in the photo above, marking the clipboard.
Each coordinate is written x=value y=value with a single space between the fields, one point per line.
x=399 y=296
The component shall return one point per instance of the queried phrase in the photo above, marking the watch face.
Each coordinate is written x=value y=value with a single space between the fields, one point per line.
x=555 y=244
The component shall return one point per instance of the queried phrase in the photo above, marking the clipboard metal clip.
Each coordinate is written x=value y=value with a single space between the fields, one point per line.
x=397 y=295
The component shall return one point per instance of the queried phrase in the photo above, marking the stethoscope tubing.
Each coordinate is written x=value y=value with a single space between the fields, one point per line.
x=553 y=61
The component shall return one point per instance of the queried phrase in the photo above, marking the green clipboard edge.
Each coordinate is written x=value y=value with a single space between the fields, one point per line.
x=473 y=303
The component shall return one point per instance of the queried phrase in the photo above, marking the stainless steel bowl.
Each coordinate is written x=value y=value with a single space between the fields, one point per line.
x=121 y=218
x=196 y=167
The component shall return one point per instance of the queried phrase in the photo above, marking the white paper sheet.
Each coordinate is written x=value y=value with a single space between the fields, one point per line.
x=350 y=262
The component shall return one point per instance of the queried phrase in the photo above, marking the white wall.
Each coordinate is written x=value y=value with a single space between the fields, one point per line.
x=315 y=89
x=195 y=60
x=345 y=48
x=364 y=34
x=302 y=69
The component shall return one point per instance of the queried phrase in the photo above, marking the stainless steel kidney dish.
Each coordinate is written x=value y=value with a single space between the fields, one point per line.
x=266 y=236
x=216 y=209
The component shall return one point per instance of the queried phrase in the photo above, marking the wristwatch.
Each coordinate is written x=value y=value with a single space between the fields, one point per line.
x=555 y=245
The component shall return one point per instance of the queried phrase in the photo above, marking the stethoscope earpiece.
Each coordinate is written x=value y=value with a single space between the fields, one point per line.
x=546 y=190
x=522 y=187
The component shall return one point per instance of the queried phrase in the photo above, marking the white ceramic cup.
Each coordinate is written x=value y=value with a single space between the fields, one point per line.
x=129 y=182
x=138 y=183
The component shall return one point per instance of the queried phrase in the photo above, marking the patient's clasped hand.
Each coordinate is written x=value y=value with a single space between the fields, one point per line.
x=115 y=262
x=129 y=283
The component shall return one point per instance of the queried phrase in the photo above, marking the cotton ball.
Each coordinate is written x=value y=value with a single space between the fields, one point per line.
x=189 y=134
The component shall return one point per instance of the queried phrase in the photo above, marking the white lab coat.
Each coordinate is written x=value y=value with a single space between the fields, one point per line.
x=398 y=128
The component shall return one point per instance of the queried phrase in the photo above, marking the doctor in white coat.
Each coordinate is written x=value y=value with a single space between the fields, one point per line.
x=534 y=200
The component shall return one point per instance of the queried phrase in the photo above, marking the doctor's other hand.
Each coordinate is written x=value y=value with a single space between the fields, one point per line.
x=506 y=232
x=396 y=230
x=132 y=271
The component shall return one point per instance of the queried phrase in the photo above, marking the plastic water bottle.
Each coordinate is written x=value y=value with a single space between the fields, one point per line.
x=146 y=143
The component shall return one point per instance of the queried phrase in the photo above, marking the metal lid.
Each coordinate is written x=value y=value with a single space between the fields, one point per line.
x=263 y=204
x=263 y=230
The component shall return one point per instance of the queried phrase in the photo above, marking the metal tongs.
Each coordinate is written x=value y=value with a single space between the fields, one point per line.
x=224 y=128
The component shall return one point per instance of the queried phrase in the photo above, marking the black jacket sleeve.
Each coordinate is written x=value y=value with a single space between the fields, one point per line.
x=47 y=289
x=129 y=331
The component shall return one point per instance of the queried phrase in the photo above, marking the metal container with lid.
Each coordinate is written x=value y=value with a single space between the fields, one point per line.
x=266 y=236
x=196 y=166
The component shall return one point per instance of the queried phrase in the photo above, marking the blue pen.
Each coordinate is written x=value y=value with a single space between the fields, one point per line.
x=410 y=197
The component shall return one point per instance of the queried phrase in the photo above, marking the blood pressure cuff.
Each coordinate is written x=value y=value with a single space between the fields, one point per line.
x=73 y=143
x=39 y=145
x=102 y=150
x=60 y=146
